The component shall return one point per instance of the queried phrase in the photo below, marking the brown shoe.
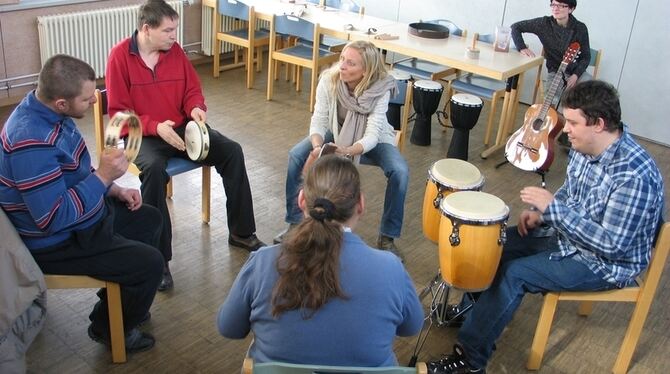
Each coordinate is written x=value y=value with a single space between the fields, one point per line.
x=386 y=243
x=250 y=243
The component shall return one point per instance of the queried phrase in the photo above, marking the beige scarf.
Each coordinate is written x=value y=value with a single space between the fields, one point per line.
x=358 y=109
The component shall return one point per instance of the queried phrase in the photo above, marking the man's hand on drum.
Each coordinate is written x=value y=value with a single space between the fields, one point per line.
x=537 y=197
x=167 y=133
x=198 y=115
x=113 y=164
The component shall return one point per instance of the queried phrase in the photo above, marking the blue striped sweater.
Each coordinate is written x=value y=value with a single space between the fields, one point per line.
x=47 y=185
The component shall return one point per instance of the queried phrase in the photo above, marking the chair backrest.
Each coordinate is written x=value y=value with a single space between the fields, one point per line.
x=234 y=8
x=99 y=113
x=453 y=29
x=291 y=25
x=348 y=5
x=596 y=55
x=284 y=368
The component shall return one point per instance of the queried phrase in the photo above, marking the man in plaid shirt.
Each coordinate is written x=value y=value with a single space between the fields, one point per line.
x=601 y=225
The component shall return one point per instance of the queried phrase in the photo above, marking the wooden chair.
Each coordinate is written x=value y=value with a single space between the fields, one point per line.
x=483 y=87
x=248 y=367
x=116 y=334
x=175 y=165
x=11 y=237
x=245 y=35
x=538 y=90
x=311 y=57
x=642 y=295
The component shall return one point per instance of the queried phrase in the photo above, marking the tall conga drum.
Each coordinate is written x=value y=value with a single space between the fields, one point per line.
x=465 y=109
x=426 y=97
x=396 y=103
x=444 y=177
x=472 y=234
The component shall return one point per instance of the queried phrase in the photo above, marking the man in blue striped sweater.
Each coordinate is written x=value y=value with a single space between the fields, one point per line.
x=73 y=218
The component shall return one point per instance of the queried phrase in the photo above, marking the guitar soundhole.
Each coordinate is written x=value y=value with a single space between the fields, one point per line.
x=537 y=124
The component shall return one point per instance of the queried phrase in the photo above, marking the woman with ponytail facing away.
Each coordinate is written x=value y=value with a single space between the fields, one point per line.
x=323 y=296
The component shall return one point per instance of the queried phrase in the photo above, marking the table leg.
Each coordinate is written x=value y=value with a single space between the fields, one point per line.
x=508 y=107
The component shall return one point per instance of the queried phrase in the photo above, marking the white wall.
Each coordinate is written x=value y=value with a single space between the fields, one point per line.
x=634 y=36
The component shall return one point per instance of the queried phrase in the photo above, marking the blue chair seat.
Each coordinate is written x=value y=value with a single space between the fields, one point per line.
x=477 y=85
x=399 y=99
x=304 y=51
x=419 y=68
x=178 y=165
x=244 y=33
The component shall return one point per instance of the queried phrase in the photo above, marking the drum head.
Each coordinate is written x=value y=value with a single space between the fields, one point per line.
x=428 y=85
x=467 y=100
x=400 y=75
x=474 y=206
x=197 y=141
x=457 y=174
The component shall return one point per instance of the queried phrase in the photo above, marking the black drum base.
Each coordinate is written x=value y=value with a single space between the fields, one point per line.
x=393 y=115
x=458 y=148
x=421 y=130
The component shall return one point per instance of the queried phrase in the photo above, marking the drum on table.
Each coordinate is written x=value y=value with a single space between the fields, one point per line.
x=395 y=103
x=426 y=99
x=472 y=234
x=465 y=109
x=444 y=177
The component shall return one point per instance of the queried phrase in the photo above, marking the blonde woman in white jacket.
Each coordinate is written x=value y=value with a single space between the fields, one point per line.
x=351 y=103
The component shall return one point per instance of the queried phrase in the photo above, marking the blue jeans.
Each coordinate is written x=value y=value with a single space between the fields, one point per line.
x=383 y=155
x=525 y=267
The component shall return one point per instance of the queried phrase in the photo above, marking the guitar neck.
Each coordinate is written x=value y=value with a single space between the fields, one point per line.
x=555 y=83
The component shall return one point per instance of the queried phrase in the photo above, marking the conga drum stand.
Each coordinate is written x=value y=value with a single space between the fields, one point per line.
x=437 y=311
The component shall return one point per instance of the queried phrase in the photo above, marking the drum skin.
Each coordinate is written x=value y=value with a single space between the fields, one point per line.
x=470 y=265
x=447 y=175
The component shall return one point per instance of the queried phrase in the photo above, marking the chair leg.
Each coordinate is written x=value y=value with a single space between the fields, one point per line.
x=298 y=76
x=312 y=88
x=633 y=333
x=206 y=188
x=250 y=67
x=259 y=59
x=404 y=122
x=272 y=64
x=489 y=123
x=116 y=332
x=542 y=331
x=168 y=188
x=585 y=308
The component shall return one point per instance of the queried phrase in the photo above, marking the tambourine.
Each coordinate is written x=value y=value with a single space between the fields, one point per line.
x=134 y=140
x=196 y=138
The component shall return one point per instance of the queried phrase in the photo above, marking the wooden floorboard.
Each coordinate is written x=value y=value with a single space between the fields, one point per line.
x=204 y=267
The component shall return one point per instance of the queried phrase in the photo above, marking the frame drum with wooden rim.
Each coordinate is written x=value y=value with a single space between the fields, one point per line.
x=196 y=137
x=133 y=141
x=472 y=234
x=444 y=177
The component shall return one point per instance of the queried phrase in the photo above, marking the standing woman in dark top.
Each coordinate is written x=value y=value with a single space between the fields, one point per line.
x=556 y=32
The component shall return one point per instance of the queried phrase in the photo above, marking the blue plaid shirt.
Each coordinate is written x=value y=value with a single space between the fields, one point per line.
x=607 y=211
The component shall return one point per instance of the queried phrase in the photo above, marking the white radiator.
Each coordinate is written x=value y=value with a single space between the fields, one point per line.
x=227 y=23
x=89 y=35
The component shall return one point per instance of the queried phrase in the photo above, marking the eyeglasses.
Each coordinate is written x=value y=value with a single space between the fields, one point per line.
x=559 y=6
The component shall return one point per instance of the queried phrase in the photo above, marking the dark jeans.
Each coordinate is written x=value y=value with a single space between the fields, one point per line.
x=120 y=248
x=224 y=154
x=525 y=267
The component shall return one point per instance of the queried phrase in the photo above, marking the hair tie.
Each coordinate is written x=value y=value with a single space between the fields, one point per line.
x=323 y=209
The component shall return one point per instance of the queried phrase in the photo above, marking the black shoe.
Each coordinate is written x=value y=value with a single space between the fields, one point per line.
x=280 y=237
x=166 y=283
x=136 y=341
x=455 y=363
x=250 y=243
x=386 y=243
x=451 y=316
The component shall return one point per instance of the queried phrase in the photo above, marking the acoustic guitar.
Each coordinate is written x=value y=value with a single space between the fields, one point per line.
x=531 y=147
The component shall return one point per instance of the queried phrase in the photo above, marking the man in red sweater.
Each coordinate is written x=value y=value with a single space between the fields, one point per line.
x=150 y=75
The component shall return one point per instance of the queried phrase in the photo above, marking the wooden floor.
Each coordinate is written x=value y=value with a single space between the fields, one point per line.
x=204 y=267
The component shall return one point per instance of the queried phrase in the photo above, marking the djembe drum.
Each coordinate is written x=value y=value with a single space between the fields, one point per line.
x=465 y=109
x=444 y=177
x=472 y=234
x=426 y=99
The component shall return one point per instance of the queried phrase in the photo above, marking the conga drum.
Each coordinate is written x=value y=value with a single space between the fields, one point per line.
x=395 y=103
x=472 y=234
x=444 y=177
x=465 y=109
x=426 y=97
